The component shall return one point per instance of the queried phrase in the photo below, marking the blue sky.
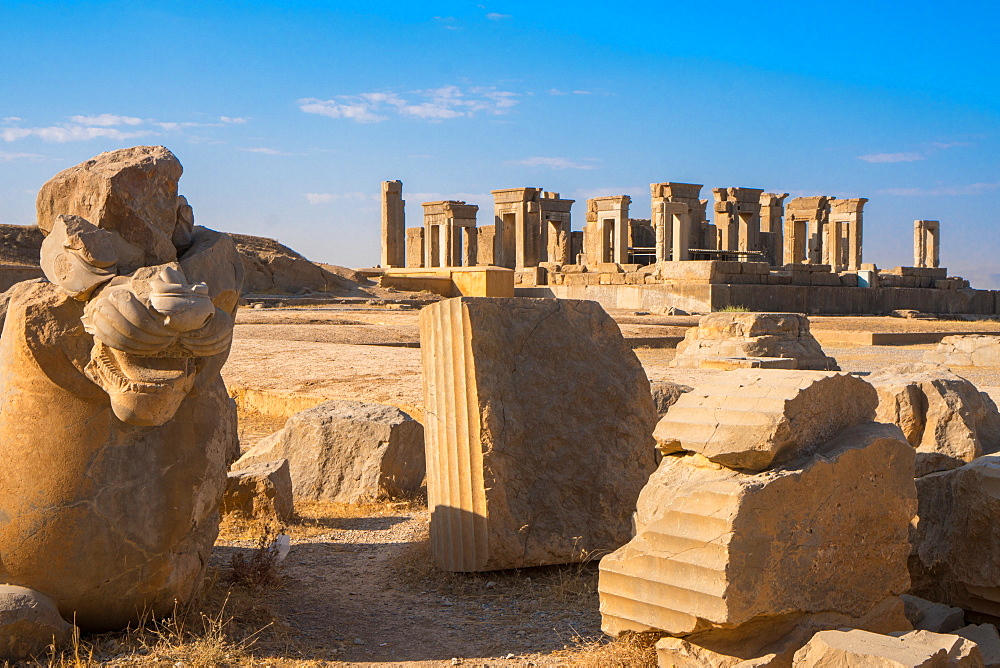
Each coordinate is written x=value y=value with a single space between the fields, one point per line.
x=286 y=115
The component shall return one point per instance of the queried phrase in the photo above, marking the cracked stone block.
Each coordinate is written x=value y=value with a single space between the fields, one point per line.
x=916 y=649
x=539 y=422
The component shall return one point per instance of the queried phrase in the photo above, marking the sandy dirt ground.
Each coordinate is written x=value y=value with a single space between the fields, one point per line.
x=357 y=587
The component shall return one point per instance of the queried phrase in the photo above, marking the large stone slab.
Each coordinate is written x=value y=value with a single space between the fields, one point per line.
x=966 y=350
x=539 y=420
x=944 y=416
x=29 y=624
x=752 y=335
x=852 y=648
x=956 y=543
x=751 y=419
x=347 y=452
x=716 y=548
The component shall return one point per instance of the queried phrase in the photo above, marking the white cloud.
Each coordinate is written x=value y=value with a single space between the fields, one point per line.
x=555 y=163
x=950 y=144
x=10 y=119
x=264 y=150
x=970 y=189
x=67 y=133
x=435 y=104
x=106 y=120
x=891 y=157
x=6 y=156
x=323 y=198
x=238 y=120
x=496 y=16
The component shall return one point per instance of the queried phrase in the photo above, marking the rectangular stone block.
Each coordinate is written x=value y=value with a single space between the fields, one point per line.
x=538 y=440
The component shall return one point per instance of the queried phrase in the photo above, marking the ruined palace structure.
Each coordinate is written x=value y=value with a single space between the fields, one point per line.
x=744 y=247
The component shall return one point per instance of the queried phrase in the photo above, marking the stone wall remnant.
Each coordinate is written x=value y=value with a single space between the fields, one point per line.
x=966 y=350
x=517 y=474
x=446 y=224
x=843 y=240
x=605 y=236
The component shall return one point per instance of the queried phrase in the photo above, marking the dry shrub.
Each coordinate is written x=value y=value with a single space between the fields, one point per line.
x=259 y=570
x=631 y=650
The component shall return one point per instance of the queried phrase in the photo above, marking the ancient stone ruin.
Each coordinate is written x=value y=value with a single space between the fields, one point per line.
x=966 y=350
x=758 y=530
x=517 y=474
x=758 y=250
x=115 y=426
x=752 y=340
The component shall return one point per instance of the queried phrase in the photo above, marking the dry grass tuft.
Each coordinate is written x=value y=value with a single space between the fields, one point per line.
x=259 y=570
x=631 y=650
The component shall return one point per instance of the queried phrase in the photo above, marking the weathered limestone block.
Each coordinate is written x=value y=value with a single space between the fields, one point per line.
x=771 y=641
x=346 y=451
x=987 y=639
x=716 y=548
x=539 y=423
x=115 y=427
x=29 y=624
x=131 y=192
x=956 y=543
x=260 y=492
x=751 y=419
x=930 y=616
x=752 y=335
x=944 y=416
x=666 y=394
x=863 y=649
x=966 y=350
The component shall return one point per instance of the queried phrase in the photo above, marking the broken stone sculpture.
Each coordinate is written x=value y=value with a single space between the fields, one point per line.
x=768 y=336
x=347 y=452
x=115 y=429
x=538 y=421
x=799 y=524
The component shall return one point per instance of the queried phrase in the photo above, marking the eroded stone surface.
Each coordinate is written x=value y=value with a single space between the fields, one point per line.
x=752 y=419
x=347 y=451
x=752 y=335
x=930 y=616
x=943 y=415
x=260 y=492
x=115 y=427
x=966 y=350
x=987 y=639
x=666 y=394
x=716 y=548
x=956 y=542
x=539 y=422
x=29 y=624
x=917 y=649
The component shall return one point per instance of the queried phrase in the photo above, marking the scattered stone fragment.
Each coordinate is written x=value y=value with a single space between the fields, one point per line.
x=988 y=640
x=956 y=543
x=734 y=335
x=539 y=423
x=29 y=624
x=260 y=492
x=966 y=350
x=771 y=641
x=347 y=451
x=717 y=548
x=755 y=418
x=666 y=394
x=944 y=416
x=930 y=616
x=863 y=649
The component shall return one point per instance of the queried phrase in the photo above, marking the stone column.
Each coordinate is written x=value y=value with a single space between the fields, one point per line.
x=926 y=243
x=393 y=224
x=414 y=247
